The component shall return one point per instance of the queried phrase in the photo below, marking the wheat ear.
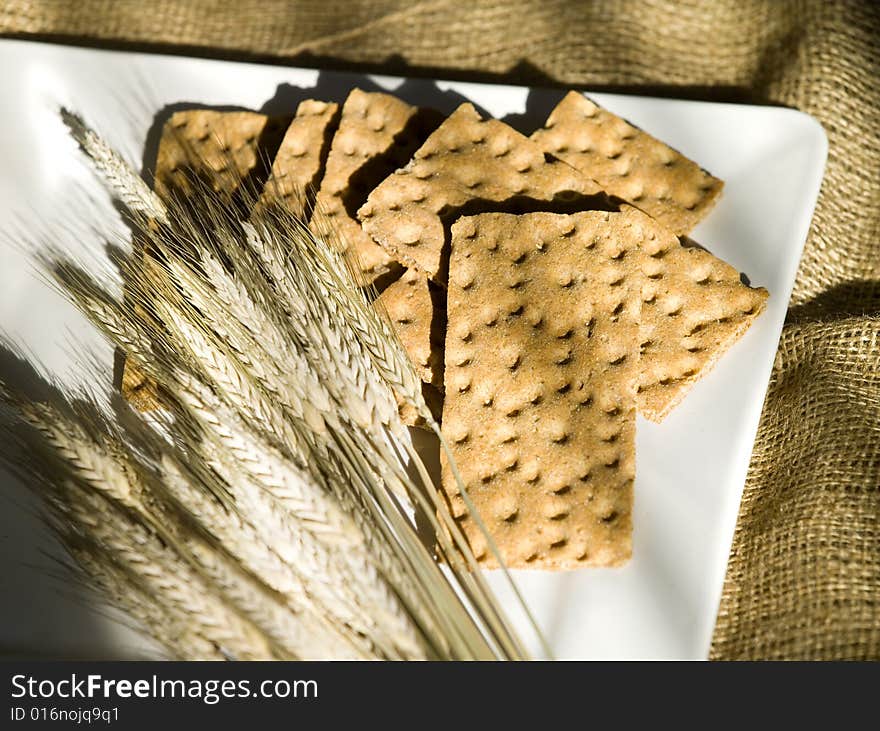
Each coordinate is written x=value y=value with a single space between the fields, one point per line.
x=118 y=174
x=280 y=463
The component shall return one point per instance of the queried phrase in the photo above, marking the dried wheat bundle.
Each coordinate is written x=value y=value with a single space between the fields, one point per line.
x=269 y=510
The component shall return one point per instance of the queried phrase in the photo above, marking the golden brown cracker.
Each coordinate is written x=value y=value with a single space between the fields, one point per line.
x=299 y=162
x=629 y=163
x=222 y=148
x=466 y=162
x=377 y=134
x=541 y=377
x=694 y=307
x=408 y=303
x=469 y=163
x=139 y=390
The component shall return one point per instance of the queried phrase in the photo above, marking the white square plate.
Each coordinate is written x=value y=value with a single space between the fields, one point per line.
x=691 y=468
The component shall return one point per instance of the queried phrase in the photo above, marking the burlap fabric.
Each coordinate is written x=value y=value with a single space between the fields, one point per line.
x=804 y=574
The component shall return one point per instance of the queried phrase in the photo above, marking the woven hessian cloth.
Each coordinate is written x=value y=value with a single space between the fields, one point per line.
x=804 y=573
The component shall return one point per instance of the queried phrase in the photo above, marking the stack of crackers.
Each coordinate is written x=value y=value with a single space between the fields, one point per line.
x=541 y=286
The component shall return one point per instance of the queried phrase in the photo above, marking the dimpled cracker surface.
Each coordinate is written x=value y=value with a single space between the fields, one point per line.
x=223 y=148
x=377 y=134
x=467 y=162
x=299 y=162
x=629 y=163
x=694 y=308
x=409 y=305
x=541 y=374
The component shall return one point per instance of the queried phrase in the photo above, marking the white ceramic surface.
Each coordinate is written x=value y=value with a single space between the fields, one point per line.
x=691 y=468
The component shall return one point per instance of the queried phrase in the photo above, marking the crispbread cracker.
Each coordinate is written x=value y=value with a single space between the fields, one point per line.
x=694 y=308
x=412 y=307
x=299 y=162
x=541 y=375
x=377 y=134
x=467 y=164
x=409 y=305
x=629 y=163
x=470 y=163
x=138 y=388
x=223 y=148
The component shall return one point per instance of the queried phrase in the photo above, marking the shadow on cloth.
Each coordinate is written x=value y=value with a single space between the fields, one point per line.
x=859 y=298
x=523 y=73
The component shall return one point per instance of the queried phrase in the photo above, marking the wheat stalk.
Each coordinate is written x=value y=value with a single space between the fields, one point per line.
x=162 y=572
x=207 y=265
x=275 y=481
x=112 y=583
x=290 y=614
x=126 y=184
x=96 y=509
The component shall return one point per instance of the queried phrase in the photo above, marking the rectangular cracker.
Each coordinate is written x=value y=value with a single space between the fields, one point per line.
x=541 y=375
x=468 y=165
x=299 y=162
x=377 y=134
x=629 y=163
x=221 y=148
